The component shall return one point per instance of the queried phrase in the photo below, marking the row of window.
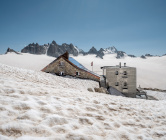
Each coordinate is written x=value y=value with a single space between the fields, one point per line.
x=124 y=73
x=62 y=73
x=124 y=84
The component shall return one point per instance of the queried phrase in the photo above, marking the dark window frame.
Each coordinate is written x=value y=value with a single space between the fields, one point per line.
x=116 y=83
x=77 y=73
x=116 y=73
x=125 y=73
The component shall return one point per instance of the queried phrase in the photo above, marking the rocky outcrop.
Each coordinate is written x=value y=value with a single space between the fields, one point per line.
x=120 y=54
x=56 y=50
x=100 y=53
x=154 y=89
x=35 y=49
x=142 y=56
x=148 y=55
x=11 y=50
x=130 y=55
x=101 y=90
x=110 y=50
x=90 y=89
x=92 y=51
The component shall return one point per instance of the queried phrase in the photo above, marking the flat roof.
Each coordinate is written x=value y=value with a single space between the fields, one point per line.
x=116 y=67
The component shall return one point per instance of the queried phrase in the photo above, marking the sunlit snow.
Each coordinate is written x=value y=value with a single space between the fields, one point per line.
x=37 y=106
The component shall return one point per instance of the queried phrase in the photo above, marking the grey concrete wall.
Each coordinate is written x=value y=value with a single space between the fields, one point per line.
x=121 y=78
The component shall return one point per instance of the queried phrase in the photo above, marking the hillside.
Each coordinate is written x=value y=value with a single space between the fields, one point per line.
x=150 y=71
x=36 y=105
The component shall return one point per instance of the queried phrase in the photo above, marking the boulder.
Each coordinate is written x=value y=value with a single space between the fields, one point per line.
x=90 y=89
x=101 y=90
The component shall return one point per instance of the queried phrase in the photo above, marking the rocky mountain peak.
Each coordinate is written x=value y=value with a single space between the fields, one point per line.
x=93 y=51
x=53 y=42
x=120 y=54
x=34 y=49
x=110 y=50
x=11 y=50
x=148 y=55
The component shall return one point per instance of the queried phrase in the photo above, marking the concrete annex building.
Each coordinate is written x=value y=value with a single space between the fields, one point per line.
x=119 y=80
x=65 y=65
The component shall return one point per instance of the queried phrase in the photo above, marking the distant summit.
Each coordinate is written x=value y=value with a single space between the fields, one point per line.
x=35 y=49
x=11 y=50
x=110 y=50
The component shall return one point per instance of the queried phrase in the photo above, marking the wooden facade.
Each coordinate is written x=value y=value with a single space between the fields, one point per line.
x=62 y=66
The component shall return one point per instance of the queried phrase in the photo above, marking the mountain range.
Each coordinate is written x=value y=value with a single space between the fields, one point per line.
x=55 y=50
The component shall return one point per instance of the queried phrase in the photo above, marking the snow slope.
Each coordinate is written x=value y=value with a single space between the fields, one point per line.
x=26 y=61
x=156 y=94
x=36 y=105
x=151 y=72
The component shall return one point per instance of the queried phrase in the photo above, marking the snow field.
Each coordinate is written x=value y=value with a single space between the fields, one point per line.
x=156 y=94
x=150 y=72
x=36 y=105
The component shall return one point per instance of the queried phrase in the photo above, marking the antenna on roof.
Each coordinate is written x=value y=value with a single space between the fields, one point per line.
x=119 y=64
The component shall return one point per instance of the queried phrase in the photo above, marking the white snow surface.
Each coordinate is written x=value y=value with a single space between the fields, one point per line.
x=157 y=94
x=151 y=72
x=38 y=106
x=26 y=61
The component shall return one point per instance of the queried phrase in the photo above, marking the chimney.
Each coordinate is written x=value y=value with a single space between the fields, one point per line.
x=119 y=64
x=124 y=64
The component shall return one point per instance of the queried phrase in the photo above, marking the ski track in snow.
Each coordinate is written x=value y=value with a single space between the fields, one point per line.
x=36 y=105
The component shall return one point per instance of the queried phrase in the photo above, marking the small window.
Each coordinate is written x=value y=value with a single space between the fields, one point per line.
x=77 y=73
x=62 y=73
x=116 y=73
x=125 y=72
x=116 y=83
x=61 y=63
x=125 y=84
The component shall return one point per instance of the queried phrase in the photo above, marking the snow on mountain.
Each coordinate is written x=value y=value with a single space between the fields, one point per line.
x=110 y=50
x=37 y=105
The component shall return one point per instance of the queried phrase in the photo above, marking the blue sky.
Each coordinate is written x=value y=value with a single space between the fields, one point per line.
x=134 y=26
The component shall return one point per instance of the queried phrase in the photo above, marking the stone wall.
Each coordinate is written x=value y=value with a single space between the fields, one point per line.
x=62 y=65
x=116 y=78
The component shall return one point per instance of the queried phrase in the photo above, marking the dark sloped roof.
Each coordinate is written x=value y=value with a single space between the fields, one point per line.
x=75 y=62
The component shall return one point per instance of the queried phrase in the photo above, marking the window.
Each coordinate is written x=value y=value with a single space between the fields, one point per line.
x=116 y=73
x=61 y=63
x=125 y=84
x=77 y=73
x=116 y=83
x=125 y=72
x=61 y=73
